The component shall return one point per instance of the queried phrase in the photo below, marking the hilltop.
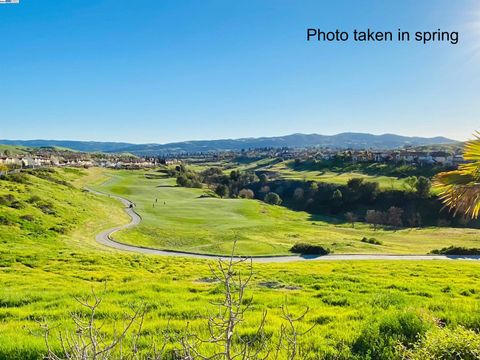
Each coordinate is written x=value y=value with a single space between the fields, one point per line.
x=343 y=141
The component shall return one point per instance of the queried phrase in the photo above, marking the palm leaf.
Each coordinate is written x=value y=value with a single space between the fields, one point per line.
x=472 y=149
x=460 y=189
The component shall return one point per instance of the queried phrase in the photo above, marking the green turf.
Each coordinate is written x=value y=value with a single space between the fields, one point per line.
x=42 y=269
x=184 y=220
x=284 y=171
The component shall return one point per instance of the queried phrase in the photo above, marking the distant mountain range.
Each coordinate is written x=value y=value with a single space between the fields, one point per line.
x=339 y=141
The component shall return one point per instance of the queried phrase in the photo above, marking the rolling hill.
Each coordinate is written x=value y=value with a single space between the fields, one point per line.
x=343 y=140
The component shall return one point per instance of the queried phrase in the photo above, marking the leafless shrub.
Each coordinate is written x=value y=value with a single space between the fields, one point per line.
x=88 y=340
x=223 y=341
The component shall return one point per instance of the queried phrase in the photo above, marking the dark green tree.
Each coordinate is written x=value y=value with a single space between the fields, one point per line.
x=423 y=187
x=273 y=199
x=222 y=190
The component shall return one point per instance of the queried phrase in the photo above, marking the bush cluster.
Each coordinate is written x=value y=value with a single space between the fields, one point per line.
x=372 y=241
x=309 y=249
x=457 y=250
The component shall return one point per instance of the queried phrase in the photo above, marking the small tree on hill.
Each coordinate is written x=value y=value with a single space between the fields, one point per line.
x=337 y=200
x=246 y=194
x=298 y=194
x=394 y=217
x=374 y=218
x=222 y=190
x=423 y=187
x=411 y=183
x=414 y=219
x=273 y=199
x=351 y=218
x=355 y=184
x=263 y=178
x=182 y=181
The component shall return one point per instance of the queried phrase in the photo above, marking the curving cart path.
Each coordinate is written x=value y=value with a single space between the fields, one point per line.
x=105 y=238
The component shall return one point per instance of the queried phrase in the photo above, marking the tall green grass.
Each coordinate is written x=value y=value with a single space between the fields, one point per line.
x=41 y=270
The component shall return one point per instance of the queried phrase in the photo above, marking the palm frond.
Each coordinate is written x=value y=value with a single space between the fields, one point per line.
x=460 y=189
x=472 y=149
x=463 y=199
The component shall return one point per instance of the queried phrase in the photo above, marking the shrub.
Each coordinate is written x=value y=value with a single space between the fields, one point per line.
x=7 y=200
x=445 y=344
x=246 y=194
x=59 y=229
x=308 y=249
x=17 y=205
x=5 y=221
x=456 y=250
x=222 y=190
x=19 y=178
x=10 y=201
x=273 y=199
x=378 y=340
x=372 y=241
x=46 y=207
x=34 y=199
x=29 y=218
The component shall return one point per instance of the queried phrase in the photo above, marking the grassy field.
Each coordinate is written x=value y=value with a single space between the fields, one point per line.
x=341 y=178
x=184 y=219
x=42 y=268
x=13 y=150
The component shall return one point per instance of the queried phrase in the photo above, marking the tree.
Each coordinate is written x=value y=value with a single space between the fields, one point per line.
x=273 y=199
x=222 y=190
x=374 y=218
x=351 y=218
x=423 y=186
x=354 y=184
x=369 y=191
x=263 y=178
x=394 y=217
x=298 y=194
x=411 y=183
x=312 y=188
x=337 y=200
x=265 y=189
x=235 y=175
x=246 y=194
x=460 y=189
x=414 y=219
x=337 y=195
x=182 y=180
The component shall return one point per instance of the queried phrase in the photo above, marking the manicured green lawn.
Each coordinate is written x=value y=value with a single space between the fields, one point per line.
x=183 y=219
x=340 y=178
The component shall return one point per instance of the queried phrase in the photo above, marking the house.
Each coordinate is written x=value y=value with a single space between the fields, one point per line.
x=10 y=161
x=442 y=158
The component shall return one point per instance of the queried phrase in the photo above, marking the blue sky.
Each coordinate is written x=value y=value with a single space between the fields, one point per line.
x=162 y=71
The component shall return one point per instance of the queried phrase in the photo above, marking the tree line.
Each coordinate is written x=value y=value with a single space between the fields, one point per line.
x=358 y=200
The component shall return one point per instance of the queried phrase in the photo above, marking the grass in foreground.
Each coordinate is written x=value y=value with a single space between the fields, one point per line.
x=41 y=270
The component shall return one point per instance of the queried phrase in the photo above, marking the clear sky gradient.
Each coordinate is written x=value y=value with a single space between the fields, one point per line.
x=168 y=70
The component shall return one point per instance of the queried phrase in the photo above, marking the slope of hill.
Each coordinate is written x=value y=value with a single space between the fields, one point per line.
x=344 y=140
x=12 y=150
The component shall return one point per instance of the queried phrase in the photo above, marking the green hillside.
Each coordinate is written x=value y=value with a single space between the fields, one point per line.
x=195 y=220
x=13 y=150
x=48 y=255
